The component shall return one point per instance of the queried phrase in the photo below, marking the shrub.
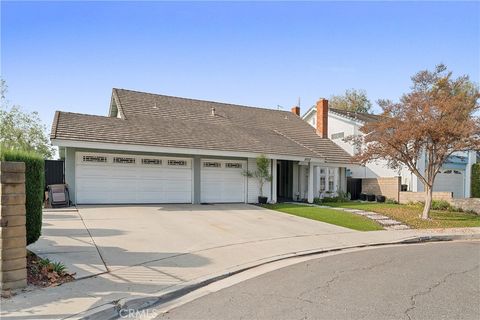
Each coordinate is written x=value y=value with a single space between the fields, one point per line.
x=476 y=180
x=440 y=205
x=390 y=201
x=34 y=188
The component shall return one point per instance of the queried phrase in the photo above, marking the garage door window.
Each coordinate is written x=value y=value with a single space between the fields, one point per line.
x=179 y=163
x=156 y=162
x=94 y=159
x=124 y=160
x=209 y=164
x=233 y=165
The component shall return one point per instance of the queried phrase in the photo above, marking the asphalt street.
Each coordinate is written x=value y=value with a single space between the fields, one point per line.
x=418 y=281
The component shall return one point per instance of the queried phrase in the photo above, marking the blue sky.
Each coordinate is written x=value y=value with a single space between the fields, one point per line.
x=68 y=55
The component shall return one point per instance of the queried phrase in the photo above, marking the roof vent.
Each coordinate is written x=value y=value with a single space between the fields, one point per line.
x=213 y=111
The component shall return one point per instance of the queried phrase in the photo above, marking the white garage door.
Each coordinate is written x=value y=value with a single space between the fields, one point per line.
x=450 y=181
x=222 y=181
x=118 y=178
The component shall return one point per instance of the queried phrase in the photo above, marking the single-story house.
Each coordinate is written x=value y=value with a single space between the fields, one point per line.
x=454 y=175
x=153 y=148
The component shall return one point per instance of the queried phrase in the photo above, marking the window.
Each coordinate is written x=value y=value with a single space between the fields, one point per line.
x=156 y=162
x=338 y=135
x=208 y=164
x=322 y=184
x=447 y=171
x=323 y=180
x=456 y=172
x=331 y=179
x=233 y=165
x=94 y=159
x=180 y=163
x=126 y=160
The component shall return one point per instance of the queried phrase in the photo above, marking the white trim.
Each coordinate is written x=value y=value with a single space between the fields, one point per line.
x=185 y=151
x=274 y=181
x=310 y=183
x=309 y=111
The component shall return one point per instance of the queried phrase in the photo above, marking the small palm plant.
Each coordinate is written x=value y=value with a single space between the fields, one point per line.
x=262 y=174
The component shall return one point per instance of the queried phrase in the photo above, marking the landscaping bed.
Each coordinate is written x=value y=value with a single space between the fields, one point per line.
x=410 y=214
x=339 y=218
x=46 y=273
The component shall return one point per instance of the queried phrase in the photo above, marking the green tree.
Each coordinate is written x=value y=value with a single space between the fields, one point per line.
x=353 y=100
x=21 y=130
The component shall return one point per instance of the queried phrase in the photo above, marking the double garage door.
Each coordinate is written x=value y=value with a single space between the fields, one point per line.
x=118 y=178
x=451 y=181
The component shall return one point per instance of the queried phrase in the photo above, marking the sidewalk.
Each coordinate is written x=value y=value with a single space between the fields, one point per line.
x=102 y=292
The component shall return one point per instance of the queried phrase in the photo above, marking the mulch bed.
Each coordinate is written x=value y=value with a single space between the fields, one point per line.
x=44 y=276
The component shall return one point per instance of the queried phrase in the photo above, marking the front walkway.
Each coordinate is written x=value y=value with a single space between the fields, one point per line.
x=143 y=251
x=386 y=222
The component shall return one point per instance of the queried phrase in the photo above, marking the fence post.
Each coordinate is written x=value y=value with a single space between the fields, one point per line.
x=13 y=240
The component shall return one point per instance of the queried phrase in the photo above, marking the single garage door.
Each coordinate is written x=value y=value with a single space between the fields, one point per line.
x=119 y=178
x=450 y=181
x=222 y=181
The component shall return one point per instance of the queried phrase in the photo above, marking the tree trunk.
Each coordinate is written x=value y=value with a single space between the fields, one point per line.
x=428 y=202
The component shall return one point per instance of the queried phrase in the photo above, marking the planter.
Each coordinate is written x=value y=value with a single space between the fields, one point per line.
x=371 y=197
x=262 y=200
x=381 y=198
x=363 y=197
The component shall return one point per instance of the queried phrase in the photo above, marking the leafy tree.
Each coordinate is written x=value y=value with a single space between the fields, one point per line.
x=353 y=100
x=21 y=130
x=262 y=173
x=435 y=119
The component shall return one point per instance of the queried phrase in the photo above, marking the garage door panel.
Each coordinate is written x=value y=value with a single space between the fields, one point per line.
x=110 y=182
x=221 y=184
x=450 y=180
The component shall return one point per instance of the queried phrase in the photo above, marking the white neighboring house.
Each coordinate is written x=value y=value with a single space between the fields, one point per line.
x=453 y=177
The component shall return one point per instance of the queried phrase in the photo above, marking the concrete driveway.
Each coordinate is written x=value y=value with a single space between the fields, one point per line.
x=125 y=236
x=137 y=251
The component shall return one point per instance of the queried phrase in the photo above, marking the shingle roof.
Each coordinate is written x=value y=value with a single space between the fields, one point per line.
x=361 y=116
x=158 y=120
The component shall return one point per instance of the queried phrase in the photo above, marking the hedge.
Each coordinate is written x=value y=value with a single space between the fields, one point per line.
x=34 y=184
x=476 y=180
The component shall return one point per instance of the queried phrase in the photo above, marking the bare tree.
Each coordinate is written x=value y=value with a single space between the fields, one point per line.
x=435 y=119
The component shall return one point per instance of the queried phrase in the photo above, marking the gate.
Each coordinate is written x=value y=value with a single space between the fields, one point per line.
x=54 y=172
x=354 y=187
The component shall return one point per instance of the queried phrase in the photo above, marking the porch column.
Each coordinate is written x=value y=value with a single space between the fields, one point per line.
x=274 y=181
x=310 y=183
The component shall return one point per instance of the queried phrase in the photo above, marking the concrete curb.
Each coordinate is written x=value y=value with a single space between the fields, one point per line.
x=121 y=307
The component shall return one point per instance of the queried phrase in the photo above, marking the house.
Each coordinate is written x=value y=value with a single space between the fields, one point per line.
x=153 y=148
x=454 y=175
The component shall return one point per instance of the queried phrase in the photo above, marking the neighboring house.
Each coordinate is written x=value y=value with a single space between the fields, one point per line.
x=453 y=177
x=161 y=149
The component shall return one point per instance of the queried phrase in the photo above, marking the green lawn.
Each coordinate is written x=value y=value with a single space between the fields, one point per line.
x=339 y=218
x=410 y=215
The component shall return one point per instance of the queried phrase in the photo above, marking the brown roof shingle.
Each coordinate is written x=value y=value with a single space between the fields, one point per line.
x=158 y=120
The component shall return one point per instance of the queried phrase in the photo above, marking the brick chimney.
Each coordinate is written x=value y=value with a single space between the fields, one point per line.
x=322 y=118
x=296 y=110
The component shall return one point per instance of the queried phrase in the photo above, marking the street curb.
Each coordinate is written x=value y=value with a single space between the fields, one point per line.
x=138 y=304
